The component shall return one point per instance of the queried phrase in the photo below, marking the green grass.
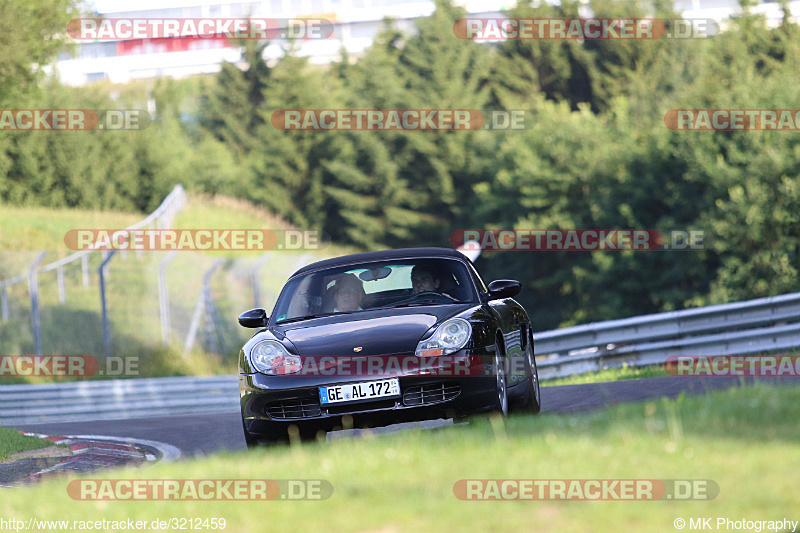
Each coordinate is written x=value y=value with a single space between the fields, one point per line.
x=75 y=327
x=12 y=441
x=29 y=229
x=609 y=374
x=745 y=440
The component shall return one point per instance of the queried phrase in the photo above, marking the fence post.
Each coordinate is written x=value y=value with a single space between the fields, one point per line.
x=62 y=293
x=85 y=270
x=214 y=342
x=33 y=289
x=5 y=305
x=106 y=330
x=163 y=296
x=256 y=284
x=205 y=295
x=105 y=255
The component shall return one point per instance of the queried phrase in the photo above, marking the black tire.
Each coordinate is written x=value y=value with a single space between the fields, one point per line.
x=501 y=382
x=533 y=395
x=249 y=439
x=257 y=440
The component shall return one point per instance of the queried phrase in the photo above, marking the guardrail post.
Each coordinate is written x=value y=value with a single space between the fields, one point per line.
x=106 y=330
x=163 y=296
x=256 y=284
x=33 y=289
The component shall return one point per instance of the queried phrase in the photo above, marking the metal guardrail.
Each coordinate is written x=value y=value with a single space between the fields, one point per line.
x=117 y=399
x=754 y=326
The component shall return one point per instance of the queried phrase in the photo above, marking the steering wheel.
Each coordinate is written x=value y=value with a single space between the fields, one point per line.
x=428 y=294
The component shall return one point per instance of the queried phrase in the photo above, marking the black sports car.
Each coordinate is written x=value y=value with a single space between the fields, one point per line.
x=383 y=337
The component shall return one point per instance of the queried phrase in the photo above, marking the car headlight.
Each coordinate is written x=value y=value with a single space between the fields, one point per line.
x=449 y=337
x=271 y=357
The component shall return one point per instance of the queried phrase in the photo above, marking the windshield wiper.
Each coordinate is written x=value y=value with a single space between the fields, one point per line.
x=306 y=317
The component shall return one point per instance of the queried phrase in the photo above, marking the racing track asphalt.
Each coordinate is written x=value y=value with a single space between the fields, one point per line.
x=206 y=434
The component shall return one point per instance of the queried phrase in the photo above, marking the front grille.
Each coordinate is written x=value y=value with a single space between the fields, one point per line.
x=430 y=393
x=293 y=409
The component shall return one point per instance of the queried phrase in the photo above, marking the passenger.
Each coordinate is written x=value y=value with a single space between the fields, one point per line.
x=348 y=294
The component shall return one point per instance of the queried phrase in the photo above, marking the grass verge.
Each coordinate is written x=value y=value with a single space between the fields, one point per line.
x=609 y=374
x=745 y=440
x=12 y=441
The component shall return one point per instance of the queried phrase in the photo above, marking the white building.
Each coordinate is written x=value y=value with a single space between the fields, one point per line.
x=355 y=23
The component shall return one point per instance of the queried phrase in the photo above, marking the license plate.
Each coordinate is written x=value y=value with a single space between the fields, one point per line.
x=353 y=392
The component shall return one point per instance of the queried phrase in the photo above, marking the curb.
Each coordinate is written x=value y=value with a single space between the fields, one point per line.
x=92 y=453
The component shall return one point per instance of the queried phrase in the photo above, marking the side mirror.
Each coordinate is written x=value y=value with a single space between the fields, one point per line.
x=254 y=318
x=504 y=288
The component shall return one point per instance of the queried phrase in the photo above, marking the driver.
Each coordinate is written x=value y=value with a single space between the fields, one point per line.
x=424 y=279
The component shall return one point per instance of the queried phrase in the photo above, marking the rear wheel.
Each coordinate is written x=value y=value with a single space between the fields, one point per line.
x=531 y=399
x=534 y=404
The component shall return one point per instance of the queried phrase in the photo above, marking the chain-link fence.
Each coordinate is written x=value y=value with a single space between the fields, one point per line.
x=168 y=310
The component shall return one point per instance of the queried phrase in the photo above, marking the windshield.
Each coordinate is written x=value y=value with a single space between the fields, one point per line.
x=374 y=285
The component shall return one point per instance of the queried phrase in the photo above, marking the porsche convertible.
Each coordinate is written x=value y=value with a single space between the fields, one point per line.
x=379 y=338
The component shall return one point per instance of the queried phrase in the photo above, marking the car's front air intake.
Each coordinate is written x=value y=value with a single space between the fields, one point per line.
x=293 y=409
x=430 y=393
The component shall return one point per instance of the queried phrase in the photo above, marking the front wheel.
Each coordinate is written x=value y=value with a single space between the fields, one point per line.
x=501 y=382
x=249 y=439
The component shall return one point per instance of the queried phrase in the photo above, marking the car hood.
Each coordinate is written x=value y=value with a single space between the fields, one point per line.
x=378 y=332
